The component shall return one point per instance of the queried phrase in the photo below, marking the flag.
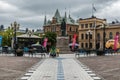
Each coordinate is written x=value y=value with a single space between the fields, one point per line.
x=94 y=8
x=45 y=42
x=116 y=42
x=74 y=41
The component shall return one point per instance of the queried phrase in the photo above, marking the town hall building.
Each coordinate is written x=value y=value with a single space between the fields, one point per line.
x=62 y=26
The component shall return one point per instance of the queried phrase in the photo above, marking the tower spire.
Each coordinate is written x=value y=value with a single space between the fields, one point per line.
x=57 y=14
x=69 y=15
x=65 y=15
x=45 y=20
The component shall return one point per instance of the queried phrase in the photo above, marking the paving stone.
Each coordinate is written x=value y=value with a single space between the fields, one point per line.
x=92 y=75
x=61 y=68
x=24 y=78
x=28 y=74
x=97 y=78
x=89 y=72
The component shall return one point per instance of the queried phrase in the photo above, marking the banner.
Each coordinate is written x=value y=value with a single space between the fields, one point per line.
x=116 y=42
x=74 y=41
x=45 y=42
x=0 y=40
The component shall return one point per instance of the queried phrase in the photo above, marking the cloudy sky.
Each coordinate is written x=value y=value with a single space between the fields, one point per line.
x=30 y=13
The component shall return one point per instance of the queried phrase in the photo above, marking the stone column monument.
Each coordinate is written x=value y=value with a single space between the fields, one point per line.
x=63 y=40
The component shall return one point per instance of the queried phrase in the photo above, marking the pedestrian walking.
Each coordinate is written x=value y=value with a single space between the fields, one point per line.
x=57 y=52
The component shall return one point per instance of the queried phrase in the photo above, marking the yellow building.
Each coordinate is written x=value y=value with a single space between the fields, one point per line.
x=91 y=32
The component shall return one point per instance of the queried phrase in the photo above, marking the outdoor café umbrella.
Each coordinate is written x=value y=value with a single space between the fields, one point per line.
x=36 y=45
x=72 y=44
x=110 y=44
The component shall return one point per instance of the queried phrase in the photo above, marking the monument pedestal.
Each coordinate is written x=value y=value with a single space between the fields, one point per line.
x=63 y=45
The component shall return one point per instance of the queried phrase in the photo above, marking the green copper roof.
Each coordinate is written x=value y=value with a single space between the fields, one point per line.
x=68 y=20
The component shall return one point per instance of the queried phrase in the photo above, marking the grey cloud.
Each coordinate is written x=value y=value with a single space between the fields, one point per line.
x=32 y=8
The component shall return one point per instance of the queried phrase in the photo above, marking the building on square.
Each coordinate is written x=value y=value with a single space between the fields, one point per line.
x=54 y=25
x=94 y=40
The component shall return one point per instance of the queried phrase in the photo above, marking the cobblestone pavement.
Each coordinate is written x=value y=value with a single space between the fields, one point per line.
x=107 y=67
x=14 y=67
x=64 y=67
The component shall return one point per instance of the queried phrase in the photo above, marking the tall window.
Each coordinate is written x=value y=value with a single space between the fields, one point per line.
x=98 y=36
x=91 y=25
x=82 y=36
x=86 y=35
x=86 y=25
x=90 y=45
x=76 y=29
x=70 y=28
x=90 y=36
x=82 y=25
x=110 y=35
x=86 y=45
x=82 y=45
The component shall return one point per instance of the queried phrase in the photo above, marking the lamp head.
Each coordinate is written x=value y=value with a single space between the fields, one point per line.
x=15 y=23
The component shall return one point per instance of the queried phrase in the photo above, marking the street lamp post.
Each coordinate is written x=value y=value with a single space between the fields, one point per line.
x=15 y=47
x=30 y=40
x=89 y=32
x=104 y=35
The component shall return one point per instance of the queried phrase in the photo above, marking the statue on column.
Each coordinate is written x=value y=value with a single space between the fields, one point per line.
x=63 y=28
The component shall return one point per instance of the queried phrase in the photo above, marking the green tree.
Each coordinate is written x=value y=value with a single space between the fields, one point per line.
x=51 y=37
x=7 y=36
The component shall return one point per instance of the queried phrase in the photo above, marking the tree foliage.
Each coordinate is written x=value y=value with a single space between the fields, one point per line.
x=7 y=36
x=51 y=37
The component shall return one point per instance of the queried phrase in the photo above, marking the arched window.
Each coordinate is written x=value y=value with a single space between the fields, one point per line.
x=110 y=35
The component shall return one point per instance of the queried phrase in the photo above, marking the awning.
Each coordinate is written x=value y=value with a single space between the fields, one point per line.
x=27 y=36
x=72 y=44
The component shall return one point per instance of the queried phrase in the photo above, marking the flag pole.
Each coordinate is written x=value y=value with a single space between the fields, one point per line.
x=92 y=11
x=94 y=28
